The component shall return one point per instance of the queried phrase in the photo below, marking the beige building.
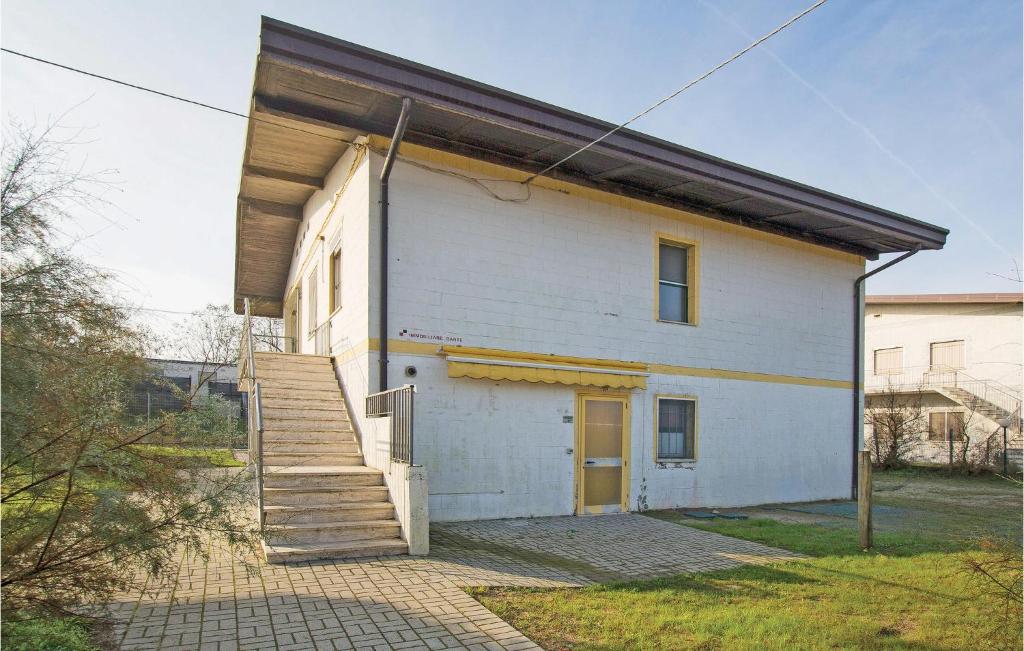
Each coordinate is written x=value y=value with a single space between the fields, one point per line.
x=961 y=353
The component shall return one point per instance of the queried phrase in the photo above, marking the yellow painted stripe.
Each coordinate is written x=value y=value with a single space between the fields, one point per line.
x=417 y=348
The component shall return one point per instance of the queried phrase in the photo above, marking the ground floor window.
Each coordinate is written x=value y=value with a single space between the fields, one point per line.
x=946 y=426
x=676 y=429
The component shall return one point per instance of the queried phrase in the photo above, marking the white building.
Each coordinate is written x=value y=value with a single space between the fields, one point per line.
x=645 y=326
x=961 y=352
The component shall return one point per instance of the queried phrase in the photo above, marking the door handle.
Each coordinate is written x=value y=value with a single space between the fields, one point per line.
x=590 y=463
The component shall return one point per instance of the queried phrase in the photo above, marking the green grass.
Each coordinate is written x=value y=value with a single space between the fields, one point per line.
x=210 y=457
x=910 y=592
x=60 y=634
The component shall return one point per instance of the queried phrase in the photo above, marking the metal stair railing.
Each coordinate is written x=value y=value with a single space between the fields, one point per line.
x=932 y=377
x=398 y=404
x=247 y=373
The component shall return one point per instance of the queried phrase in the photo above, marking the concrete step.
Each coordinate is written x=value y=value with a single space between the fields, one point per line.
x=304 y=401
x=321 y=476
x=361 y=549
x=306 y=496
x=269 y=369
x=329 y=513
x=300 y=384
x=279 y=371
x=290 y=358
x=290 y=429
x=320 y=532
x=315 y=446
x=320 y=412
x=301 y=393
x=276 y=458
x=337 y=424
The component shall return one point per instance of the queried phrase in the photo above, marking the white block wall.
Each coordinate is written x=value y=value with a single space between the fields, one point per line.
x=565 y=275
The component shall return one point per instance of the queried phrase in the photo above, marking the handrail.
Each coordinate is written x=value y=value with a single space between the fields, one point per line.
x=398 y=405
x=247 y=370
x=947 y=378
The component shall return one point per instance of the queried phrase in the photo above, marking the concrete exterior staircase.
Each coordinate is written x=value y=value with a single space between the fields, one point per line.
x=319 y=499
x=980 y=405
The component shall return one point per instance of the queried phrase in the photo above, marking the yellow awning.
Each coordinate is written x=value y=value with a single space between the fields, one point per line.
x=595 y=378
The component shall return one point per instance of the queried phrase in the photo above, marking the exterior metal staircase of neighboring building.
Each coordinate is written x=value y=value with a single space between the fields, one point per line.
x=978 y=404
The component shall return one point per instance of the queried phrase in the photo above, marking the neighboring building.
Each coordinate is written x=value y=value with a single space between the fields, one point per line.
x=645 y=327
x=962 y=353
x=178 y=375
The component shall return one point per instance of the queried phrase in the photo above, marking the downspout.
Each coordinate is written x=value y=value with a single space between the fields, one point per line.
x=389 y=162
x=858 y=363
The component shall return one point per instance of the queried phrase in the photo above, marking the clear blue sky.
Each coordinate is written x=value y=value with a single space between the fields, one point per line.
x=914 y=106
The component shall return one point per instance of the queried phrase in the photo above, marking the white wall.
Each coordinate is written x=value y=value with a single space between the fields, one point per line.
x=566 y=275
x=992 y=335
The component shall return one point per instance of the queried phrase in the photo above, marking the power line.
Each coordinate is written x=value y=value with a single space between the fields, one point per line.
x=677 y=92
x=169 y=95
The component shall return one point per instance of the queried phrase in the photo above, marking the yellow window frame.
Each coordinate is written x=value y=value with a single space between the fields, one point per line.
x=692 y=277
x=696 y=426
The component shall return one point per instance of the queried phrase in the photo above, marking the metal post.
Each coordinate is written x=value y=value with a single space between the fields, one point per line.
x=864 y=499
x=1005 y=465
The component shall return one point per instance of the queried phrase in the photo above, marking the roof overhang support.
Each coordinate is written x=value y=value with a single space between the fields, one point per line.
x=309 y=182
x=250 y=208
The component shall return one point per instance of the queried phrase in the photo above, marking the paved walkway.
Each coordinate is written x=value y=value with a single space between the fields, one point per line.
x=412 y=602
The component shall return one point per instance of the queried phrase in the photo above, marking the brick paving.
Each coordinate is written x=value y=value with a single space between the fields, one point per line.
x=411 y=602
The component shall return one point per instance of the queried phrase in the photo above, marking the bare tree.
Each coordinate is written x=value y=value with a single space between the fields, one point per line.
x=897 y=421
x=968 y=442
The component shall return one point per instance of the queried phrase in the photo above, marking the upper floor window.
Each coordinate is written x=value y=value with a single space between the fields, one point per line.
x=335 y=281
x=676 y=281
x=888 y=361
x=947 y=355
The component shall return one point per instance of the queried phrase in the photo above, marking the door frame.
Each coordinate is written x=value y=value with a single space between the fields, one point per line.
x=625 y=399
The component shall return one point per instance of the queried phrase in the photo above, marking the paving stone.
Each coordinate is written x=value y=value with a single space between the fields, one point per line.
x=411 y=602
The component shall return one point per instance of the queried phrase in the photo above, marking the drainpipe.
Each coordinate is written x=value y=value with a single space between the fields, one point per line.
x=389 y=162
x=858 y=363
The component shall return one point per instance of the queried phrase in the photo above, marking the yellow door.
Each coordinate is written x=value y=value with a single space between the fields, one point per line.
x=603 y=454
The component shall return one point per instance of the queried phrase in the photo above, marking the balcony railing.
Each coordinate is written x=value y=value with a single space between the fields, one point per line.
x=398 y=405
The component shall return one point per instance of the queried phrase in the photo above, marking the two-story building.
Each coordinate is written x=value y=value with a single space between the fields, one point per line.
x=643 y=326
x=959 y=355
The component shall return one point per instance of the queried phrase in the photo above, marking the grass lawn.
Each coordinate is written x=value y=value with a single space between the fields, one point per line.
x=910 y=592
x=203 y=457
x=60 y=634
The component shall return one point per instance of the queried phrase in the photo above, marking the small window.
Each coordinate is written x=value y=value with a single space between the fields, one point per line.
x=335 y=281
x=676 y=282
x=888 y=361
x=946 y=426
x=677 y=424
x=947 y=355
x=311 y=291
